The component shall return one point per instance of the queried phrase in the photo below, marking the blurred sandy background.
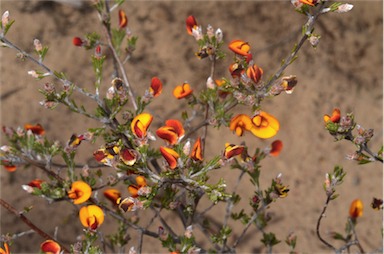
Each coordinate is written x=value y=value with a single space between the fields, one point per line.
x=345 y=71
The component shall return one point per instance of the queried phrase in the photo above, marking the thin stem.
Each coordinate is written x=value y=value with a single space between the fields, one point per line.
x=319 y=221
x=354 y=233
x=310 y=23
x=365 y=148
x=35 y=228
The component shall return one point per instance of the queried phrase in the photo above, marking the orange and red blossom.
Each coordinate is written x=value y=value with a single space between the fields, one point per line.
x=156 y=87
x=112 y=194
x=5 y=250
x=50 y=247
x=240 y=123
x=35 y=129
x=240 y=47
x=171 y=132
x=197 y=151
x=255 y=73
x=309 y=2
x=264 y=125
x=356 y=209
x=123 y=20
x=91 y=216
x=8 y=166
x=170 y=156
x=36 y=183
x=134 y=189
x=335 y=118
x=80 y=192
x=182 y=91
x=276 y=148
x=140 y=124
x=191 y=23
x=232 y=150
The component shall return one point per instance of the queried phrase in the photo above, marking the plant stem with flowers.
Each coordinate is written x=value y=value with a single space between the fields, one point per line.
x=174 y=176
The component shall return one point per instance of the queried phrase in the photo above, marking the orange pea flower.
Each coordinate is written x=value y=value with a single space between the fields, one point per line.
x=197 y=152
x=77 y=41
x=182 y=91
x=140 y=124
x=276 y=148
x=134 y=189
x=36 y=129
x=91 y=216
x=240 y=47
x=240 y=123
x=265 y=125
x=156 y=87
x=8 y=166
x=170 y=156
x=80 y=192
x=123 y=20
x=255 y=73
x=309 y=2
x=171 y=132
x=5 y=250
x=356 y=209
x=191 y=23
x=128 y=156
x=232 y=150
x=75 y=140
x=36 y=183
x=335 y=118
x=50 y=247
x=113 y=195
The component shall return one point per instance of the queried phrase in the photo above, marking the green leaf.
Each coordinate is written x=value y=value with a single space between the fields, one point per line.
x=269 y=239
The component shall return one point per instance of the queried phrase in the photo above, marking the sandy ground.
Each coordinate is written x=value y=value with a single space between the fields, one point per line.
x=345 y=71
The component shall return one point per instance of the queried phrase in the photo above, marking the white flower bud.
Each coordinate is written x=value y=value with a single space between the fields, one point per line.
x=37 y=44
x=219 y=35
x=210 y=83
x=5 y=18
x=344 y=8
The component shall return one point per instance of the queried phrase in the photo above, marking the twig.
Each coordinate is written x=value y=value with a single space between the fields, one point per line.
x=319 y=221
x=35 y=228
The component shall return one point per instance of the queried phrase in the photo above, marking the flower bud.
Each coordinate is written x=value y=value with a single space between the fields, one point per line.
x=37 y=44
x=5 y=18
x=210 y=83
x=344 y=8
x=219 y=35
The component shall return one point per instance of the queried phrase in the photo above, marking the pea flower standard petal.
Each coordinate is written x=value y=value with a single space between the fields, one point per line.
x=170 y=156
x=356 y=209
x=91 y=216
x=140 y=124
x=182 y=91
x=255 y=73
x=240 y=123
x=50 y=246
x=128 y=156
x=276 y=148
x=80 y=192
x=264 y=125
x=197 y=151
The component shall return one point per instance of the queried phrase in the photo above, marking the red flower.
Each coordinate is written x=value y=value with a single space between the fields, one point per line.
x=191 y=23
x=171 y=132
x=36 y=129
x=77 y=41
x=156 y=87
x=36 y=183
x=232 y=150
x=276 y=148
x=140 y=124
x=51 y=247
x=113 y=195
x=123 y=20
